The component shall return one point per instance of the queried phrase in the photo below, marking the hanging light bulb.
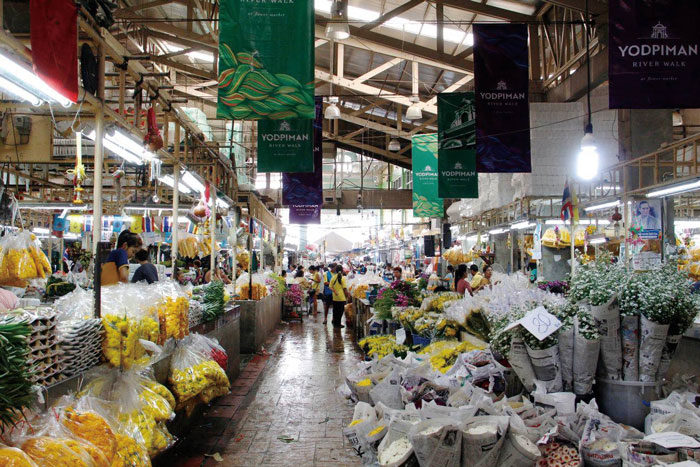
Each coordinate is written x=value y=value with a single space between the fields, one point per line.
x=394 y=145
x=587 y=160
x=337 y=28
x=414 y=112
x=332 y=111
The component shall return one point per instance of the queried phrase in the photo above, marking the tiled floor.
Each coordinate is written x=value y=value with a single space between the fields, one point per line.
x=283 y=409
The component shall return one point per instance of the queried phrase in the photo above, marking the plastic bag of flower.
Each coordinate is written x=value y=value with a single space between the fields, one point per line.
x=139 y=406
x=194 y=375
x=437 y=441
x=171 y=305
x=15 y=457
x=600 y=436
x=129 y=448
x=243 y=287
x=21 y=259
x=48 y=441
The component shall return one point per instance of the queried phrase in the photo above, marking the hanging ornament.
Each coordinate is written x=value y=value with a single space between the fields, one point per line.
x=78 y=172
x=153 y=140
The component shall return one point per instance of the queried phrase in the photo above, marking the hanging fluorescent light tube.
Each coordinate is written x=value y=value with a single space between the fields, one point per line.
x=17 y=91
x=593 y=222
x=192 y=182
x=522 y=225
x=52 y=207
x=498 y=231
x=222 y=203
x=170 y=181
x=128 y=143
x=554 y=222
x=683 y=224
x=40 y=230
x=25 y=79
x=673 y=190
x=597 y=240
x=610 y=204
x=117 y=149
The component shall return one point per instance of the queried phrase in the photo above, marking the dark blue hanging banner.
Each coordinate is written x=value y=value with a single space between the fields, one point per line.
x=501 y=81
x=653 y=54
x=303 y=192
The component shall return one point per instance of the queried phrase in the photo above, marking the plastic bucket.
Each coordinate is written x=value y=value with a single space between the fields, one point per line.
x=626 y=401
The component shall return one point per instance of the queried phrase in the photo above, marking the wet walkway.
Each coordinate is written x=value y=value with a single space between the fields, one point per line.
x=283 y=409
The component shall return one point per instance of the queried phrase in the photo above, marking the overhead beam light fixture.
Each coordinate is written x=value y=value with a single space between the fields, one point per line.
x=337 y=28
x=123 y=146
x=24 y=84
x=394 y=145
x=192 y=182
x=674 y=190
x=522 y=225
x=170 y=181
x=597 y=207
x=332 y=111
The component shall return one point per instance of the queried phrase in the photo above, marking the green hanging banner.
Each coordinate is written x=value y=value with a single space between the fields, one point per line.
x=457 y=177
x=266 y=59
x=286 y=145
x=426 y=202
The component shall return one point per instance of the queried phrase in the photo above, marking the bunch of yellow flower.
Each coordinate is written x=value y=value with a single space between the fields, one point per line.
x=443 y=354
x=359 y=291
x=120 y=342
x=381 y=346
x=205 y=378
x=130 y=453
x=173 y=314
x=438 y=301
x=243 y=259
x=455 y=256
x=259 y=291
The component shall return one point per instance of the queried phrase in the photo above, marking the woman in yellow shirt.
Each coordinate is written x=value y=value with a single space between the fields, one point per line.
x=339 y=287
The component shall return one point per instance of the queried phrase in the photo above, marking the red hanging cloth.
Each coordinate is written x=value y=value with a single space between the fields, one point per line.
x=54 y=39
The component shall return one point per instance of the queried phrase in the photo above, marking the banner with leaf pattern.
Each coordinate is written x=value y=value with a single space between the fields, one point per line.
x=426 y=202
x=266 y=59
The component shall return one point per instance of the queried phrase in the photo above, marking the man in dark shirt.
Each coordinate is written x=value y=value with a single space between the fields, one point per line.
x=146 y=271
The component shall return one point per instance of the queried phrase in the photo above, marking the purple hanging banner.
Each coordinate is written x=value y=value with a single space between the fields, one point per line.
x=501 y=81
x=303 y=192
x=653 y=54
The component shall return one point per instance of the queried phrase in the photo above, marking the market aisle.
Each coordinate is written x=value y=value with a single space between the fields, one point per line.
x=290 y=414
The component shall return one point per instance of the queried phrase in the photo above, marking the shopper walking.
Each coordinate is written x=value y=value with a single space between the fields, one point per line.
x=327 y=292
x=340 y=295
